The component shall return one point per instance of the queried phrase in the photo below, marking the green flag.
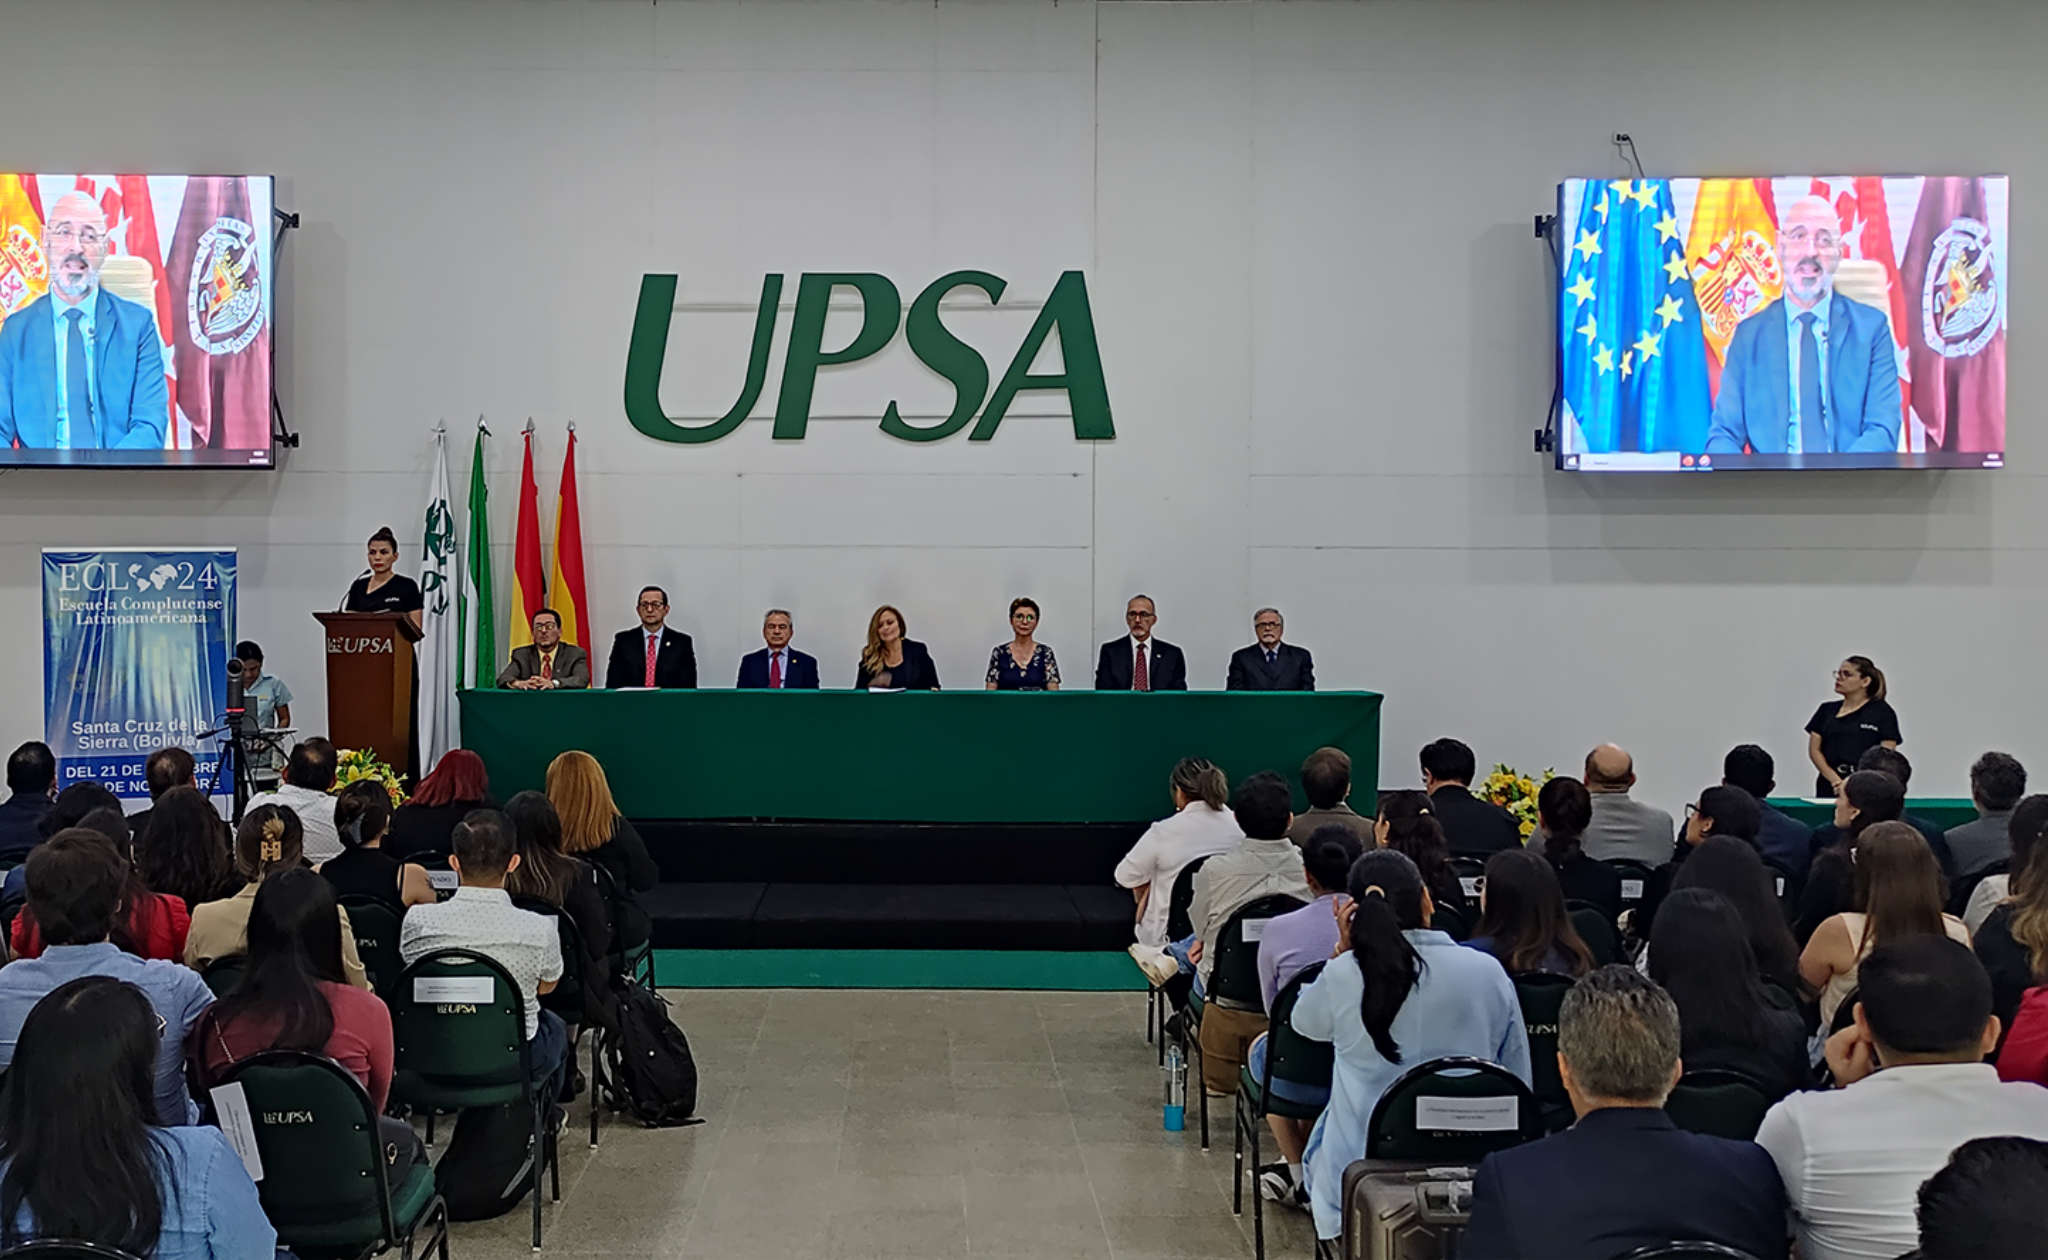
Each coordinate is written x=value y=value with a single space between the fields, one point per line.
x=479 y=610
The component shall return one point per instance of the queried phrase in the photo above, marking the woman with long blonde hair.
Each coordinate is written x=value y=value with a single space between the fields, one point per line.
x=892 y=660
x=593 y=829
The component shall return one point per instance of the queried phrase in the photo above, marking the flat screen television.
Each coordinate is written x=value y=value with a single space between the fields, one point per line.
x=1794 y=322
x=135 y=320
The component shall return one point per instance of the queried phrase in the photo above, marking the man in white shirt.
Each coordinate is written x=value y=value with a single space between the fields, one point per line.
x=481 y=917
x=308 y=780
x=1914 y=1087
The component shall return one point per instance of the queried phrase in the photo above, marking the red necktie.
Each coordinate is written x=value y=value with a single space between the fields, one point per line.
x=547 y=666
x=775 y=671
x=1140 y=679
x=651 y=642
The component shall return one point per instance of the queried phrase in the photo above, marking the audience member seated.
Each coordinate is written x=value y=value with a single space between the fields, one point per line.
x=1997 y=782
x=1200 y=825
x=1985 y=1204
x=2013 y=943
x=1720 y=811
x=1731 y=867
x=308 y=778
x=68 y=810
x=150 y=925
x=457 y=785
x=1851 y=1158
x=1622 y=827
x=1407 y=825
x=1523 y=921
x=87 y=1155
x=2024 y=829
x=184 y=851
x=594 y=830
x=1563 y=809
x=1396 y=995
x=294 y=997
x=2024 y=1054
x=1897 y=894
x=1868 y=797
x=1894 y=763
x=168 y=767
x=1624 y=1176
x=362 y=817
x=1264 y=864
x=269 y=840
x=569 y=885
x=32 y=787
x=1472 y=827
x=75 y=881
x=1293 y=942
x=1701 y=956
x=1326 y=781
x=1785 y=842
x=480 y=917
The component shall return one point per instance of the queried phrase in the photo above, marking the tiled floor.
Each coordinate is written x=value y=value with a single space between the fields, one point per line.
x=912 y=1125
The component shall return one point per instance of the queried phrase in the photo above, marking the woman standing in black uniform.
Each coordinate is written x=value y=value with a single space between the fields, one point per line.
x=1843 y=730
x=381 y=590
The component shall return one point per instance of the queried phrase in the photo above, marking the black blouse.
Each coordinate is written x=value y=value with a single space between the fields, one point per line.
x=400 y=594
x=1844 y=739
x=363 y=872
x=916 y=673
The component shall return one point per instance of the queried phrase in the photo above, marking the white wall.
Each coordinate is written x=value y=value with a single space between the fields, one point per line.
x=1324 y=322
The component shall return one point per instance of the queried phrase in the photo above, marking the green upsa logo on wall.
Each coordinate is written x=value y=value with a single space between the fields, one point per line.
x=881 y=311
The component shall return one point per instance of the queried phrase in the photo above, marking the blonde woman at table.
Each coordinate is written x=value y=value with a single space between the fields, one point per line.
x=1023 y=664
x=893 y=660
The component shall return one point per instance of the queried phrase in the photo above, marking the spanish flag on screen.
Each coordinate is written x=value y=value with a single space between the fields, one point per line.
x=527 y=591
x=565 y=578
x=24 y=272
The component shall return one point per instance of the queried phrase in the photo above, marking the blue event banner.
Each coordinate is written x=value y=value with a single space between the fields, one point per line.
x=135 y=651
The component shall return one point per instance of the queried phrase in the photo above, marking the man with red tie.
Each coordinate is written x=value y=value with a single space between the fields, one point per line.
x=549 y=664
x=778 y=667
x=651 y=654
x=1139 y=662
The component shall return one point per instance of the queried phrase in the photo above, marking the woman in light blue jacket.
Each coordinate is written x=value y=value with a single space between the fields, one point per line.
x=81 y=1156
x=1396 y=995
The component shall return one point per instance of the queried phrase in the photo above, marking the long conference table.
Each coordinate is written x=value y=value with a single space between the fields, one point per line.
x=949 y=756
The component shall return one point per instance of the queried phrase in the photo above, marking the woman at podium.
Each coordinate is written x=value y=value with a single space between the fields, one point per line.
x=381 y=590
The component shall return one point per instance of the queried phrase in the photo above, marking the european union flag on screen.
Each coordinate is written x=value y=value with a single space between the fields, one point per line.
x=1635 y=359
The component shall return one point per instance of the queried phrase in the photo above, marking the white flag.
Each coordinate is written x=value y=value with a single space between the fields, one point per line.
x=439 y=658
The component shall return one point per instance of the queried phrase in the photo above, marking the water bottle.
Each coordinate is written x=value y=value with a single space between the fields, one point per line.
x=1176 y=1088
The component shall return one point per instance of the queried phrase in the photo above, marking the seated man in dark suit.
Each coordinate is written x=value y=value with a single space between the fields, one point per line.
x=778 y=667
x=651 y=654
x=1785 y=842
x=1269 y=664
x=1139 y=662
x=547 y=664
x=1623 y=1176
x=1474 y=828
x=32 y=778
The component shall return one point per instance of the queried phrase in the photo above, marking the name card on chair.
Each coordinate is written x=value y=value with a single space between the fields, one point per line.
x=1469 y=1115
x=458 y=989
x=443 y=881
x=1631 y=890
x=1252 y=931
x=1471 y=884
x=231 y=1106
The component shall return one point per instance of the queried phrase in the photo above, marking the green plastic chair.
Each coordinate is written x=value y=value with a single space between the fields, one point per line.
x=1177 y=928
x=1290 y=1057
x=376 y=922
x=324 y=1186
x=1719 y=1103
x=223 y=974
x=454 y=1055
x=1233 y=979
x=1598 y=931
x=568 y=998
x=1393 y=1133
x=1542 y=996
x=64 y=1249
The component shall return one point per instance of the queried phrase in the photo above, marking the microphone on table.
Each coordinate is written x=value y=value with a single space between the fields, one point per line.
x=352 y=582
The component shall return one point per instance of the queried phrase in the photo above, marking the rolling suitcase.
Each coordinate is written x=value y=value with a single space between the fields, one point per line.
x=1396 y=1210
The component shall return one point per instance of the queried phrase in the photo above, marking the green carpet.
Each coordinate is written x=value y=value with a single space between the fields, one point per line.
x=1092 y=971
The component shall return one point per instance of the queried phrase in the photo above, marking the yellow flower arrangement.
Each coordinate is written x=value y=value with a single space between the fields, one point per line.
x=1515 y=792
x=356 y=765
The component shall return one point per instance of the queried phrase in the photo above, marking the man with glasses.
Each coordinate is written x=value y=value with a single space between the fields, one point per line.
x=1139 y=662
x=1269 y=664
x=81 y=369
x=651 y=654
x=1813 y=373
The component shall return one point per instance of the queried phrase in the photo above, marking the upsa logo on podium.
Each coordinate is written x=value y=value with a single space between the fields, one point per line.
x=339 y=645
x=1065 y=311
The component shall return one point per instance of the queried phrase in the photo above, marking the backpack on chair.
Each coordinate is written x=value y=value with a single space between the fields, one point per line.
x=648 y=1060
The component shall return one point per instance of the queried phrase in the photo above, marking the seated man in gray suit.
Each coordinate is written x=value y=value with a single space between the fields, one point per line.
x=549 y=664
x=1622 y=826
x=1269 y=664
x=1997 y=782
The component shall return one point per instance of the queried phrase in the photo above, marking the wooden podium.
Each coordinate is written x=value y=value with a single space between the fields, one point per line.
x=369 y=682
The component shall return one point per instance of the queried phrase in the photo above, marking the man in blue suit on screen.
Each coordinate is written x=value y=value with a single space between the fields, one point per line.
x=81 y=369
x=1813 y=373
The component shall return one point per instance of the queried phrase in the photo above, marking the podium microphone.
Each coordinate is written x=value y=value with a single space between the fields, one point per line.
x=352 y=582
